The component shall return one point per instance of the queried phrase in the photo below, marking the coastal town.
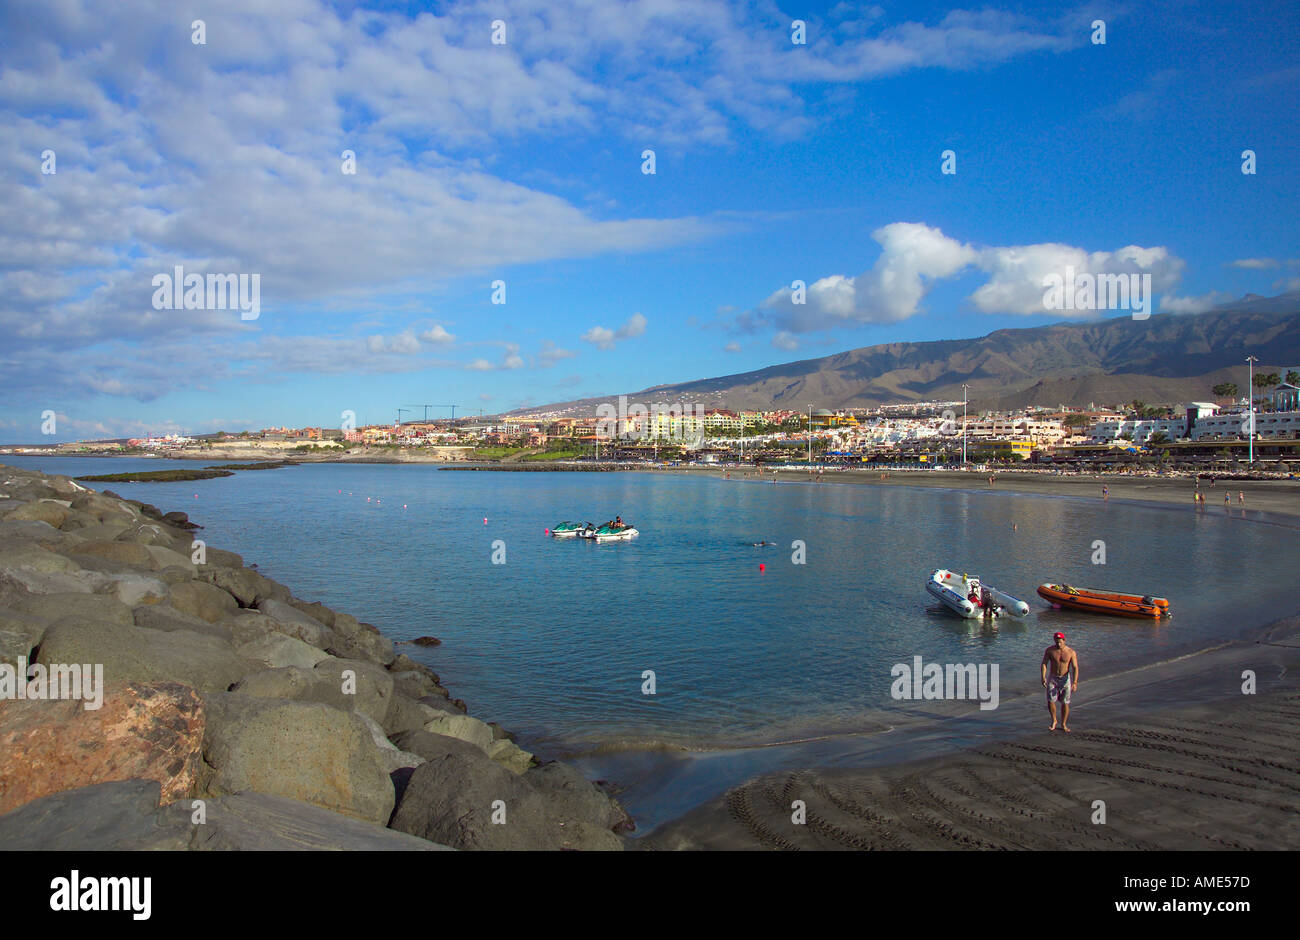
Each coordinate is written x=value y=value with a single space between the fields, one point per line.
x=1214 y=433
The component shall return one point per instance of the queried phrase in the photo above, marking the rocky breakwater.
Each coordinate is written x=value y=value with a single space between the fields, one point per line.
x=155 y=692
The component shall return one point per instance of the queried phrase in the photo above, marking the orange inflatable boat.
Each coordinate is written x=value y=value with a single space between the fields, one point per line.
x=1105 y=602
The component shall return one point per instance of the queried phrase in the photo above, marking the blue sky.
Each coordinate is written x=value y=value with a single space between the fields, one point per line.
x=522 y=162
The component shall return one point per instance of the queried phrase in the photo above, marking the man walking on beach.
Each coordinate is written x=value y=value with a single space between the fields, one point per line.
x=1060 y=657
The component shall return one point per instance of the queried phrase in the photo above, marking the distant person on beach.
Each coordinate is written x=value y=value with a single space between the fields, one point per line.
x=1241 y=497
x=1227 y=499
x=1105 y=492
x=1058 y=684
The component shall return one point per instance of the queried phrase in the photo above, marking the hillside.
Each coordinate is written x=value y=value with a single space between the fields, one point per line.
x=1167 y=358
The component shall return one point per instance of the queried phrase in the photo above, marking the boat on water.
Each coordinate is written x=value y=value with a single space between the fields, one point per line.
x=609 y=532
x=568 y=530
x=1105 y=602
x=970 y=598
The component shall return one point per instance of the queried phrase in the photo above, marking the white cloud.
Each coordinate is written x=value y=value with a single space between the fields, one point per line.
x=732 y=347
x=403 y=344
x=1016 y=274
x=438 y=336
x=550 y=354
x=604 y=338
x=1171 y=303
x=1255 y=264
x=914 y=256
x=785 y=341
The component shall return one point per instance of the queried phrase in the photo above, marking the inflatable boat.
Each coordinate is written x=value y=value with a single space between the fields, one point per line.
x=968 y=597
x=1105 y=602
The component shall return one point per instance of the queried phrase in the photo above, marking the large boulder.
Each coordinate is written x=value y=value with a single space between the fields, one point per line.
x=356 y=685
x=406 y=714
x=42 y=533
x=14 y=645
x=275 y=651
x=137 y=654
x=261 y=822
x=288 y=620
x=151 y=730
x=49 y=511
x=33 y=557
x=432 y=746
x=468 y=801
x=168 y=619
x=104 y=508
x=164 y=557
x=413 y=683
x=99 y=607
x=245 y=585
x=348 y=684
x=392 y=757
x=302 y=750
x=127 y=553
x=404 y=663
x=203 y=601
x=366 y=643
x=215 y=556
x=52 y=582
x=134 y=590
x=510 y=755
x=93 y=530
x=577 y=795
x=463 y=727
x=122 y=816
x=316 y=611
x=26 y=629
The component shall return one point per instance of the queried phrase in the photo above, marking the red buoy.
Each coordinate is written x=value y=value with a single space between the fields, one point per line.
x=762 y=567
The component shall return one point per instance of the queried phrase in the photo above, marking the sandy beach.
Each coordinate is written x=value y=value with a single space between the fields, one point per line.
x=1181 y=758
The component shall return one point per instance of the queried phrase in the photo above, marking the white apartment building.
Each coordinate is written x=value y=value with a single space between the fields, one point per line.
x=1017 y=428
x=1233 y=425
x=1139 y=431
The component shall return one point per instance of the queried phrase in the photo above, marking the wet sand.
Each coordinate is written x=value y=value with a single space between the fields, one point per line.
x=1180 y=756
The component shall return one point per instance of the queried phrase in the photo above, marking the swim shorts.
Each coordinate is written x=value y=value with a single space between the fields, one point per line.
x=1058 y=689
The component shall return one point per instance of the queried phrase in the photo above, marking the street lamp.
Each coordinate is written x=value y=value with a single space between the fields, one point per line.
x=963 y=424
x=1250 y=394
x=810 y=436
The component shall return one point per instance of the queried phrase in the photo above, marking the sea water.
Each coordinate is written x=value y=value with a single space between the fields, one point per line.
x=690 y=636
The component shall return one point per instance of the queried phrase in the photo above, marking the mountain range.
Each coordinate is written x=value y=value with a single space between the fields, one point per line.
x=1166 y=358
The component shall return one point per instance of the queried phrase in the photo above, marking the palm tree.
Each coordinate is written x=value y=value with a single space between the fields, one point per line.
x=1225 y=390
x=1293 y=377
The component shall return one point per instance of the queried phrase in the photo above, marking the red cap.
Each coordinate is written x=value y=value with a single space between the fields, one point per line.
x=1059 y=636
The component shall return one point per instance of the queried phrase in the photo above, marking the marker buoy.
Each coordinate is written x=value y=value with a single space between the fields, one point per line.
x=485 y=520
x=762 y=567
x=403 y=505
